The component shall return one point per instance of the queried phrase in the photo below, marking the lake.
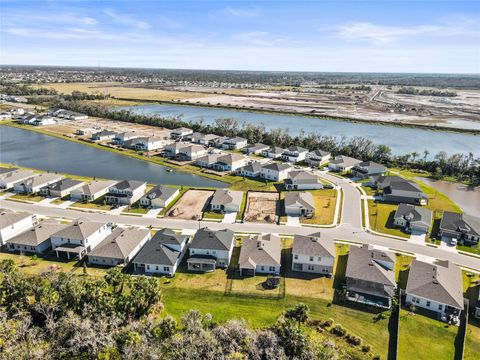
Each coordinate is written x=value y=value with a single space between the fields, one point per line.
x=401 y=140
x=30 y=149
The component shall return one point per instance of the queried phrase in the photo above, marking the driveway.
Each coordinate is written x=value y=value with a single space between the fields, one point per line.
x=293 y=221
x=418 y=237
x=229 y=218
x=152 y=213
x=47 y=200
x=118 y=210
x=447 y=245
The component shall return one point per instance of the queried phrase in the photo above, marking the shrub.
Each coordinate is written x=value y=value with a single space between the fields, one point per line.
x=327 y=323
x=354 y=340
x=366 y=348
x=338 y=330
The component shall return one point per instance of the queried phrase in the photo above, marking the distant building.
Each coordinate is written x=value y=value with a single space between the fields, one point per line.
x=342 y=163
x=317 y=158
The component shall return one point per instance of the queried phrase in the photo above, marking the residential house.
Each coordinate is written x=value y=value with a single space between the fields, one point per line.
x=342 y=163
x=43 y=120
x=275 y=171
x=436 y=287
x=92 y=191
x=294 y=154
x=126 y=192
x=162 y=254
x=207 y=161
x=14 y=223
x=204 y=139
x=368 y=169
x=148 y=143
x=103 y=135
x=173 y=149
x=234 y=143
x=10 y=178
x=255 y=149
x=299 y=204
x=210 y=249
x=5 y=116
x=251 y=170
x=317 y=158
x=413 y=218
x=462 y=227
x=61 y=188
x=120 y=138
x=370 y=276
x=273 y=152
x=191 y=152
x=302 y=180
x=399 y=190
x=314 y=253
x=217 y=142
x=34 y=184
x=35 y=240
x=119 y=247
x=260 y=254
x=229 y=162
x=180 y=133
x=226 y=201
x=6 y=170
x=159 y=197
x=79 y=238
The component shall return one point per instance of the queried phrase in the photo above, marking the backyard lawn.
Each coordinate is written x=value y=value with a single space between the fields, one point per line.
x=472 y=342
x=381 y=218
x=36 y=266
x=325 y=202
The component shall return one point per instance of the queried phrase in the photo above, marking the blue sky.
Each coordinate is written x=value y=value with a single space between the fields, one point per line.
x=375 y=36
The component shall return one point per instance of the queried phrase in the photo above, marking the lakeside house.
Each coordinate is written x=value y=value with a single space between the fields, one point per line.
x=148 y=143
x=294 y=154
x=210 y=249
x=342 y=163
x=180 y=133
x=35 y=240
x=200 y=138
x=251 y=170
x=317 y=158
x=314 y=253
x=121 y=138
x=234 y=143
x=217 y=142
x=207 y=161
x=126 y=192
x=159 y=197
x=399 y=190
x=229 y=162
x=173 y=149
x=92 y=191
x=34 y=184
x=411 y=218
x=260 y=254
x=103 y=135
x=299 y=204
x=191 y=152
x=302 y=180
x=226 y=201
x=275 y=171
x=14 y=223
x=255 y=149
x=10 y=178
x=61 y=188
x=462 y=227
x=368 y=169
x=273 y=152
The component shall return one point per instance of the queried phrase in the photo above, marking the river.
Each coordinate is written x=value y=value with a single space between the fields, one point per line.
x=401 y=140
x=30 y=149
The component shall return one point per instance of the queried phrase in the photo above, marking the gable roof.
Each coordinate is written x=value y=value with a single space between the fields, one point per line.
x=41 y=179
x=80 y=229
x=161 y=192
x=129 y=184
x=209 y=158
x=16 y=175
x=206 y=238
x=441 y=282
x=302 y=198
x=253 y=167
x=159 y=249
x=344 y=160
x=38 y=234
x=226 y=196
x=461 y=223
x=64 y=184
x=8 y=217
x=276 y=166
x=295 y=148
x=315 y=244
x=96 y=185
x=276 y=150
x=364 y=264
x=303 y=176
x=414 y=214
x=4 y=170
x=260 y=250
x=120 y=243
x=230 y=158
x=318 y=153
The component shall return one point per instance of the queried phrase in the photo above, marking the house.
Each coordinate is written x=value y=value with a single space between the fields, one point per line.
x=34 y=184
x=370 y=276
x=217 y=142
x=314 y=253
x=43 y=120
x=342 y=163
x=9 y=178
x=273 y=152
x=191 y=152
x=275 y=171
x=226 y=201
x=148 y=143
x=260 y=254
x=462 y=227
x=61 y=188
x=294 y=154
x=299 y=204
x=85 y=131
x=251 y=170
x=126 y=192
x=302 y=180
x=103 y=135
x=202 y=139
x=5 y=116
x=210 y=249
x=255 y=149
x=79 y=238
x=413 y=218
x=35 y=240
x=436 y=287
x=207 y=161
x=477 y=307
x=159 y=197
x=120 y=138
x=180 y=133
x=368 y=169
x=119 y=247
x=92 y=191
x=173 y=149
x=317 y=158
x=6 y=170
x=229 y=162
x=162 y=254
x=13 y=223
x=234 y=143
x=399 y=190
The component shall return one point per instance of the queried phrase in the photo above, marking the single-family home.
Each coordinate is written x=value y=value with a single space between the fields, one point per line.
x=368 y=169
x=10 y=178
x=43 y=120
x=302 y=180
x=462 y=227
x=399 y=190
x=13 y=223
x=147 y=143
x=5 y=116
x=229 y=162
x=126 y=192
x=191 y=152
x=251 y=170
x=159 y=197
x=35 y=240
x=218 y=141
x=210 y=249
x=260 y=254
x=34 y=184
x=370 y=276
x=180 y=133
x=226 y=201
x=255 y=149
x=299 y=203
x=103 y=135
x=207 y=161
x=313 y=253
x=61 y=188
x=273 y=152
x=120 y=138
x=234 y=143
x=317 y=158
x=79 y=238
x=92 y=191
x=275 y=171
x=413 y=218
x=436 y=287
x=173 y=149
x=202 y=139
x=162 y=254
x=342 y=163
x=294 y=154
x=119 y=247
x=6 y=170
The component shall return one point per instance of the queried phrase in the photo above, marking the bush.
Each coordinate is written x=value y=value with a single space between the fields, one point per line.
x=328 y=323
x=354 y=340
x=338 y=330
x=366 y=348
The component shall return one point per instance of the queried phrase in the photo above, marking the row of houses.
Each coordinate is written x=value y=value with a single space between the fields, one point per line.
x=49 y=118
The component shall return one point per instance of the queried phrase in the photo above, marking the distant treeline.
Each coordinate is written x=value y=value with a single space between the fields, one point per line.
x=462 y=166
x=425 y=92
x=24 y=90
x=80 y=95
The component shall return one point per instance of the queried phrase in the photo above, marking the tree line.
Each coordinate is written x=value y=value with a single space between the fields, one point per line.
x=425 y=92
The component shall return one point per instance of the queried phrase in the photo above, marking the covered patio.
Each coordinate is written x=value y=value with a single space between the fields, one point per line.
x=72 y=251
x=202 y=263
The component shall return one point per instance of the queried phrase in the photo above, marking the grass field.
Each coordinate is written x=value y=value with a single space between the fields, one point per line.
x=213 y=215
x=95 y=205
x=26 y=197
x=381 y=218
x=136 y=210
x=472 y=342
x=325 y=202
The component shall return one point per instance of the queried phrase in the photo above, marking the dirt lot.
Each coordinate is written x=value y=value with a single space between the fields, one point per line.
x=262 y=206
x=191 y=205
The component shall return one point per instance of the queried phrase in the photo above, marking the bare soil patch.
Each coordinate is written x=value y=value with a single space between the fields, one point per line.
x=262 y=207
x=191 y=205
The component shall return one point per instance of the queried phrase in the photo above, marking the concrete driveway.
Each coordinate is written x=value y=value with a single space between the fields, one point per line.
x=152 y=213
x=293 y=221
x=418 y=237
x=229 y=218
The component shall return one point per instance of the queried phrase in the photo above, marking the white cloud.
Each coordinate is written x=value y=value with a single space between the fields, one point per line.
x=128 y=20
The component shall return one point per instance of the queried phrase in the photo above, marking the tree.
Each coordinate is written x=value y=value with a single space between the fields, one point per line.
x=298 y=313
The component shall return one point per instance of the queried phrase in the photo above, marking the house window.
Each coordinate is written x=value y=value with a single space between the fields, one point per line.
x=148 y=267
x=296 y=257
x=311 y=258
x=166 y=268
x=440 y=307
x=311 y=267
x=319 y=258
x=214 y=252
x=262 y=268
x=428 y=303
x=156 y=267
x=272 y=268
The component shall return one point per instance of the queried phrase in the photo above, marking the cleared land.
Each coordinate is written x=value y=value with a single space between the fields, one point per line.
x=191 y=205
x=325 y=202
x=262 y=206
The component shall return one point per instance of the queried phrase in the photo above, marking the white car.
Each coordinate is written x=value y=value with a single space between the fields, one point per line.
x=453 y=242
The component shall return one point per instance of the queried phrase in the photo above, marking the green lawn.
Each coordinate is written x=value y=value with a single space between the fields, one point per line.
x=325 y=203
x=212 y=215
x=472 y=342
x=26 y=197
x=242 y=207
x=32 y=266
x=96 y=205
x=381 y=218
x=136 y=210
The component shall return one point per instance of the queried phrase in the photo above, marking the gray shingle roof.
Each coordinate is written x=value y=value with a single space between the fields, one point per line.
x=80 y=229
x=227 y=197
x=129 y=184
x=276 y=166
x=301 y=198
x=345 y=160
x=315 y=244
x=41 y=179
x=260 y=250
x=206 y=238
x=161 y=192
x=318 y=153
x=414 y=214
x=8 y=217
x=363 y=264
x=159 y=250
x=252 y=167
x=64 y=184
x=460 y=223
x=229 y=159
x=120 y=243
x=96 y=185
